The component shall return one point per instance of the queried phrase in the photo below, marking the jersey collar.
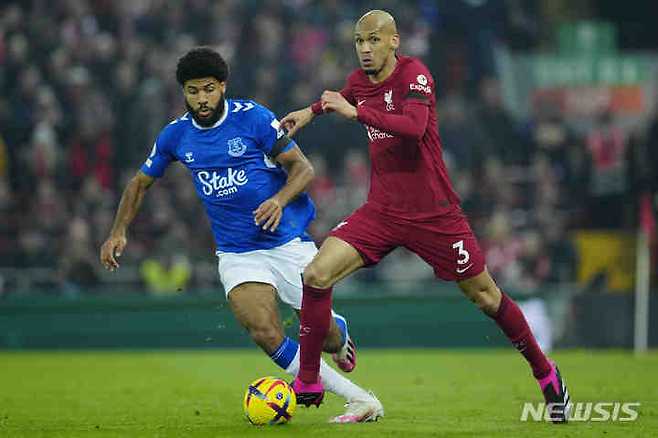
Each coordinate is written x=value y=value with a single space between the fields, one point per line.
x=218 y=122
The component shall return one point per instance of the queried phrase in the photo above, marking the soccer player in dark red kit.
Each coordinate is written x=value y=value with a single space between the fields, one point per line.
x=411 y=203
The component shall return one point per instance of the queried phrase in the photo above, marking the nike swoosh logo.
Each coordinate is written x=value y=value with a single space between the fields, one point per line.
x=361 y=102
x=461 y=271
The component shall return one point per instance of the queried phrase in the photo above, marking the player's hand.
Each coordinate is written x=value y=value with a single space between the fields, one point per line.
x=296 y=120
x=111 y=251
x=334 y=101
x=269 y=214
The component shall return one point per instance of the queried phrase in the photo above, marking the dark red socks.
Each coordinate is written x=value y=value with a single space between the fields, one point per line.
x=511 y=321
x=315 y=320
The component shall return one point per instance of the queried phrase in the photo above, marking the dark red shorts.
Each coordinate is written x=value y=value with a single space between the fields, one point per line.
x=445 y=242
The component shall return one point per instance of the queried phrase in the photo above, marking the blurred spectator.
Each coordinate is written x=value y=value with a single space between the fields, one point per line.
x=323 y=192
x=551 y=136
x=560 y=250
x=498 y=127
x=165 y=276
x=502 y=250
x=356 y=178
x=168 y=270
x=464 y=144
x=473 y=28
x=77 y=270
x=535 y=264
x=403 y=270
x=554 y=142
x=606 y=145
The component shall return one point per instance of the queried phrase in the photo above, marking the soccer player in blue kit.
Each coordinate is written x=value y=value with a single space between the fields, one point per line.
x=251 y=179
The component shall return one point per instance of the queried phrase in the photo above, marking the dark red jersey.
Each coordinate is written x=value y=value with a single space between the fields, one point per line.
x=408 y=176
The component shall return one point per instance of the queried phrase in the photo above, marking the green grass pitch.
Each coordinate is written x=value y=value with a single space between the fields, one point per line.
x=199 y=394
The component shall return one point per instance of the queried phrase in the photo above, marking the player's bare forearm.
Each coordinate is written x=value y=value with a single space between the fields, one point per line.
x=296 y=120
x=131 y=201
x=335 y=101
x=300 y=175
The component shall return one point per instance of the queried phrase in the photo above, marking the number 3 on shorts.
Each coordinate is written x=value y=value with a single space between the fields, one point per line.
x=464 y=256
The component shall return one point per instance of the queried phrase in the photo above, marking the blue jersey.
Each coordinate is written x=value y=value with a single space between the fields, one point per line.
x=233 y=169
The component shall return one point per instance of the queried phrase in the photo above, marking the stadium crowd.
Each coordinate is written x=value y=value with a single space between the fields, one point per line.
x=86 y=85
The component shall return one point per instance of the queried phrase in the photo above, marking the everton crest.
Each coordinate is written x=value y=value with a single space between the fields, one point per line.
x=236 y=147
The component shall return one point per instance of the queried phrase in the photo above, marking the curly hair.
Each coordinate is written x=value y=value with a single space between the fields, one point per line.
x=201 y=62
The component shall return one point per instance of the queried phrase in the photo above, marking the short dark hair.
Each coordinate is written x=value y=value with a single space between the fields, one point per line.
x=201 y=62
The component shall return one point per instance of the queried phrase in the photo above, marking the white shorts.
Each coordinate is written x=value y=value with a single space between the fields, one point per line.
x=281 y=267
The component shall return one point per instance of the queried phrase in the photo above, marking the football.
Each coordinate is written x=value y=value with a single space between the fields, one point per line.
x=270 y=401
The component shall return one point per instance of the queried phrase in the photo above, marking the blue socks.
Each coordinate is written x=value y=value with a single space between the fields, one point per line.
x=342 y=326
x=285 y=353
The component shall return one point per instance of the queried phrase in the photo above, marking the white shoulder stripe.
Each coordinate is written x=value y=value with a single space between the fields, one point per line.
x=183 y=117
x=242 y=107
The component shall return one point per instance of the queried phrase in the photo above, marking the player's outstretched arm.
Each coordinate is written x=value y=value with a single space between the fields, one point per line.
x=131 y=200
x=296 y=120
x=335 y=101
x=300 y=174
x=411 y=123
